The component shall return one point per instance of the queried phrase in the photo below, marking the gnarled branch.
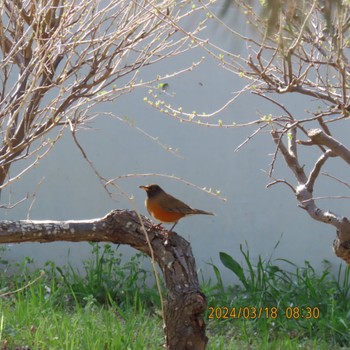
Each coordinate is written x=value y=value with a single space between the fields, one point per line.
x=319 y=137
x=185 y=327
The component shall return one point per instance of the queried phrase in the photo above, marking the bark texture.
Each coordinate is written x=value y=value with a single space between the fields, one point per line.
x=185 y=327
x=304 y=190
x=341 y=245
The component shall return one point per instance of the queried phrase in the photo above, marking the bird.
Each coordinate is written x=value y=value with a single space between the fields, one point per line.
x=166 y=208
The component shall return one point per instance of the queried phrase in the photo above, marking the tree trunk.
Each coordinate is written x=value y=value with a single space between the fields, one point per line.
x=184 y=324
x=341 y=244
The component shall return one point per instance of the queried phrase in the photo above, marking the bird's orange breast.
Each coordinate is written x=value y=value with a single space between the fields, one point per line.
x=161 y=214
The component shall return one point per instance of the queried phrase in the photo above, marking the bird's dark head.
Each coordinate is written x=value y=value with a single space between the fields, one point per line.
x=152 y=190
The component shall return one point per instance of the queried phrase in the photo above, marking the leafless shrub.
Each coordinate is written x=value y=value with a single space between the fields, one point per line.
x=59 y=59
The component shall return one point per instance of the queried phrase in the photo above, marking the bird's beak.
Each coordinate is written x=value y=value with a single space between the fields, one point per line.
x=143 y=187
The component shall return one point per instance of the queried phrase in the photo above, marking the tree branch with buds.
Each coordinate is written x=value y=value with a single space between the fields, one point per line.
x=302 y=52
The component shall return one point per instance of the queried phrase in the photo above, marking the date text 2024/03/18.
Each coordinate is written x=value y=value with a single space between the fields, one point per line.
x=252 y=312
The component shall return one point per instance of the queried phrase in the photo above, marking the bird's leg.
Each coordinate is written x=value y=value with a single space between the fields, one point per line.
x=173 y=226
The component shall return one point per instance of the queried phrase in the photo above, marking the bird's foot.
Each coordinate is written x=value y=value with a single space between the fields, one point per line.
x=158 y=226
x=163 y=234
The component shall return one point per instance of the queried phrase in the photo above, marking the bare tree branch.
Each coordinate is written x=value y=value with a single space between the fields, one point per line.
x=290 y=158
x=307 y=202
x=185 y=327
x=66 y=57
x=301 y=48
x=316 y=170
x=319 y=137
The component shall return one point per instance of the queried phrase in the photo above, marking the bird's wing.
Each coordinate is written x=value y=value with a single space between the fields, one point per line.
x=174 y=205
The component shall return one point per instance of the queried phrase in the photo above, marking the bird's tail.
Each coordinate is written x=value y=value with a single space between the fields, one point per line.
x=198 y=211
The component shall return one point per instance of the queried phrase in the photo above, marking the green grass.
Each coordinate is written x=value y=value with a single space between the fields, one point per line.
x=269 y=288
x=110 y=306
x=38 y=325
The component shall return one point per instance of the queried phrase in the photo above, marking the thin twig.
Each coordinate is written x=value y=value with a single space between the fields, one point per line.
x=336 y=179
x=105 y=184
x=280 y=105
x=324 y=197
x=42 y=274
x=250 y=137
x=173 y=177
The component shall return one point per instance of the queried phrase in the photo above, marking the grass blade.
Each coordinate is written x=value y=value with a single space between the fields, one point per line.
x=234 y=266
